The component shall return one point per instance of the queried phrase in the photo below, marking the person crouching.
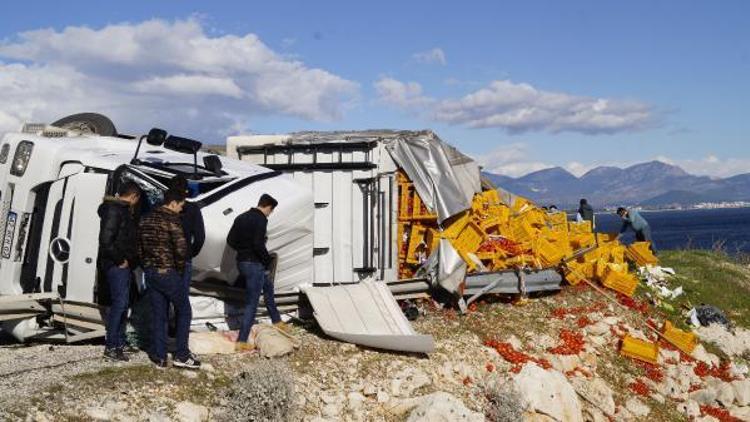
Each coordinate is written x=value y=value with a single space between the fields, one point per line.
x=164 y=253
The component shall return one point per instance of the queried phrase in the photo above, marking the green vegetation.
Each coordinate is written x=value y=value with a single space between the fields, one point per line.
x=713 y=278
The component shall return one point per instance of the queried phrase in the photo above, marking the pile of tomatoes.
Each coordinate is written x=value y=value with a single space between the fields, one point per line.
x=653 y=372
x=561 y=313
x=639 y=387
x=721 y=372
x=518 y=359
x=572 y=343
x=633 y=304
x=501 y=244
x=584 y=322
x=721 y=414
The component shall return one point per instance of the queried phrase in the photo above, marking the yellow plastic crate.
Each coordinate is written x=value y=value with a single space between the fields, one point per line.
x=405 y=202
x=605 y=238
x=521 y=231
x=582 y=227
x=456 y=225
x=416 y=237
x=491 y=224
x=634 y=348
x=684 y=340
x=624 y=283
x=499 y=211
x=420 y=211
x=581 y=240
x=557 y=219
x=575 y=272
x=550 y=254
x=470 y=238
x=432 y=239
x=403 y=239
x=640 y=253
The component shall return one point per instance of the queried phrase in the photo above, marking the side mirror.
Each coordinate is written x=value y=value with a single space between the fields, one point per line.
x=213 y=164
x=184 y=145
x=156 y=136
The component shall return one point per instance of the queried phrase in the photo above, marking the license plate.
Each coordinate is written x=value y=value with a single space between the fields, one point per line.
x=10 y=231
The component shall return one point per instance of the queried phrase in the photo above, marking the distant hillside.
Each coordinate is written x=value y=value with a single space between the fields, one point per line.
x=653 y=184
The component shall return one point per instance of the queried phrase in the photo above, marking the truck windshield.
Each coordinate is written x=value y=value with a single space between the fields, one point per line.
x=153 y=191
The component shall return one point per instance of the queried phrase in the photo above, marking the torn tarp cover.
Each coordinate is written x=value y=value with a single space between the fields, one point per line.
x=445 y=179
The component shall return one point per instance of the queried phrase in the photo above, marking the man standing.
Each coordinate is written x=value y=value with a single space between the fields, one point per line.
x=164 y=253
x=117 y=258
x=633 y=219
x=248 y=238
x=192 y=226
x=585 y=212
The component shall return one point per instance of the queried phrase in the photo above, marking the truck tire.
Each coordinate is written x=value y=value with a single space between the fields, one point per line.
x=91 y=123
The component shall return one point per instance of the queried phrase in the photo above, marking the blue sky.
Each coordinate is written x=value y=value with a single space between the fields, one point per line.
x=521 y=86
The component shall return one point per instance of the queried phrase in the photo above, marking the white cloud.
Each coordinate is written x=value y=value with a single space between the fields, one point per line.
x=711 y=165
x=405 y=95
x=159 y=72
x=510 y=160
x=433 y=56
x=519 y=107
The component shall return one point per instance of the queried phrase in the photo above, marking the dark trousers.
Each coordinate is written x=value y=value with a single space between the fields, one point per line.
x=256 y=282
x=645 y=236
x=164 y=288
x=118 y=281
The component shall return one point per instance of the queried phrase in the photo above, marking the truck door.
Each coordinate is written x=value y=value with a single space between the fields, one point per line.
x=73 y=235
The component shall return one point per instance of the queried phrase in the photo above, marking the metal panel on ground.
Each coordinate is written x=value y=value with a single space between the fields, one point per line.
x=367 y=314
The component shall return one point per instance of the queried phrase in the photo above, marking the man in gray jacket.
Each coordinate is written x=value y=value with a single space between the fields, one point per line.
x=633 y=219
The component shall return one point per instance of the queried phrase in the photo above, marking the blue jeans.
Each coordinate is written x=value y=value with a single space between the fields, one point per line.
x=256 y=283
x=645 y=236
x=164 y=288
x=118 y=280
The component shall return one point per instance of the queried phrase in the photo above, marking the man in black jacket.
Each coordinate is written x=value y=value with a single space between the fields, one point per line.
x=117 y=258
x=585 y=212
x=192 y=225
x=248 y=238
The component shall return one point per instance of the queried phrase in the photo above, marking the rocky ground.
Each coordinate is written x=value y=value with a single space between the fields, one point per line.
x=554 y=359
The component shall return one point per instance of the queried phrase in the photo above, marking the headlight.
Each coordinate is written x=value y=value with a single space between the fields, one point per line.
x=4 y=152
x=21 y=158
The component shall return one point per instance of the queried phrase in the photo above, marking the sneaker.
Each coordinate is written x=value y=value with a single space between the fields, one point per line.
x=130 y=349
x=158 y=363
x=116 y=355
x=283 y=326
x=243 y=347
x=190 y=362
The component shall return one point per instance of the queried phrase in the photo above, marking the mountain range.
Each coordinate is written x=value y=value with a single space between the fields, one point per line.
x=653 y=184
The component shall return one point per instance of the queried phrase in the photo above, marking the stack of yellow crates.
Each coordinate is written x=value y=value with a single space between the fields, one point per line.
x=493 y=236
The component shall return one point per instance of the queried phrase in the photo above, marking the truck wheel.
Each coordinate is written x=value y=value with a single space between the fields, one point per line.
x=90 y=123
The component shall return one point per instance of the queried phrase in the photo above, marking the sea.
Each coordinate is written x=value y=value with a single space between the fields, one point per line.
x=691 y=229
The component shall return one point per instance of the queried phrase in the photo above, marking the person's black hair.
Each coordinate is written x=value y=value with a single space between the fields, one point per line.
x=621 y=211
x=266 y=200
x=173 y=195
x=584 y=201
x=179 y=183
x=129 y=188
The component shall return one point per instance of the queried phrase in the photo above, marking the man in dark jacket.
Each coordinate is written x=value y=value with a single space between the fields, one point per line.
x=117 y=258
x=248 y=238
x=192 y=226
x=585 y=212
x=164 y=252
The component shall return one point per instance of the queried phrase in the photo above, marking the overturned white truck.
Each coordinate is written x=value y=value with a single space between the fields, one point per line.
x=51 y=182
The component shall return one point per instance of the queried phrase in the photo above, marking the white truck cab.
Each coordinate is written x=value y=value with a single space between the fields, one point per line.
x=52 y=181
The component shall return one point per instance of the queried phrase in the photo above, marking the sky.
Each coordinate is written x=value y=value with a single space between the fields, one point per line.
x=520 y=86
